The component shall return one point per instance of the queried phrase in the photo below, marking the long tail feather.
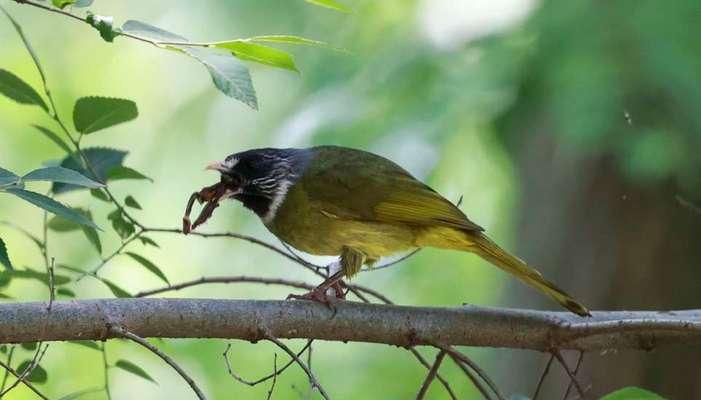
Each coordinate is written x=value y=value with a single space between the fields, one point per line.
x=490 y=251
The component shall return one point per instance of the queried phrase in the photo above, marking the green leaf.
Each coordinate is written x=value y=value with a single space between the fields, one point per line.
x=151 y=32
x=147 y=241
x=86 y=343
x=18 y=90
x=91 y=114
x=4 y=257
x=52 y=206
x=82 y=3
x=289 y=39
x=134 y=369
x=27 y=45
x=116 y=290
x=332 y=4
x=53 y=137
x=100 y=195
x=121 y=172
x=149 y=266
x=123 y=227
x=62 y=3
x=63 y=175
x=103 y=25
x=80 y=393
x=38 y=374
x=632 y=393
x=102 y=160
x=259 y=53
x=130 y=201
x=31 y=346
x=8 y=178
x=65 y=292
x=229 y=75
x=42 y=277
x=60 y=224
x=93 y=238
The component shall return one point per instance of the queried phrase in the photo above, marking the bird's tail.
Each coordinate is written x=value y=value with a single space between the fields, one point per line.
x=490 y=251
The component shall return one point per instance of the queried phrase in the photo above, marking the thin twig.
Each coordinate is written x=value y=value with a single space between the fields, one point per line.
x=9 y=369
x=106 y=371
x=472 y=377
x=21 y=378
x=455 y=354
x=240 y=379
x=576 y=370
x=442 y=380
x=226 y=279
x=275 y=374
x=301 y=364
x=431 y=375
x=542 y=377
x=573 y=378
x=117 y=330
x=52 y=291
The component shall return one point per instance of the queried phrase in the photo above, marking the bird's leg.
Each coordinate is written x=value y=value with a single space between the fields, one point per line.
x=349 y=263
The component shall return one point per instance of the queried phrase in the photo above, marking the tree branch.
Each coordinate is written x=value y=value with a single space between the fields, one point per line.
x=375 y=323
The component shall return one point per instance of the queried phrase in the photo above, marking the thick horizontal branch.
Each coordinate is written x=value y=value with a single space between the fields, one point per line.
x=358 y=322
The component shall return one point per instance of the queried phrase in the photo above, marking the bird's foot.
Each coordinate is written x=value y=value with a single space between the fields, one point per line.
x=324 y=294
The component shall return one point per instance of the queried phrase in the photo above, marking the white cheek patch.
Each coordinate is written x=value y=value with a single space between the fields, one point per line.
x=229 y=163
x=278 y=198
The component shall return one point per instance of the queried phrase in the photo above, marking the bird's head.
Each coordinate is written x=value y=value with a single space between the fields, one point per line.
x=260 y=178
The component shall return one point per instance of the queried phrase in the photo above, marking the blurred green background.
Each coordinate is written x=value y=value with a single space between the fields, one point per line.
x=571 y=129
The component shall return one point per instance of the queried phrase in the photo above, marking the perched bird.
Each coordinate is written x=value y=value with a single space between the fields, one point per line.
x=338 y=201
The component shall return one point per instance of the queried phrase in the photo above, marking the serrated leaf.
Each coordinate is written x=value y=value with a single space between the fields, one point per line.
x=38 y=374
x=62 y=175
x=102 y=160
x=42 y=277
x=60 y=224
x=116 y=290
x=100 y=195
x=229 y=75
x=259 y=53
x=149 y=266
x=331 y=4
x=18 y=90
x=86 y=343
x=103 y=24
x=31 y=346
x=52 y=206
x=130 y=201
x=632 y=393
x=151 y=32
x=121 y=172
x=147 y=241
x=65 y=292
x=62 y=3
x=7 y=178
x=91 y=114
x=4 y=257
x=53 y=137
x=134 y=369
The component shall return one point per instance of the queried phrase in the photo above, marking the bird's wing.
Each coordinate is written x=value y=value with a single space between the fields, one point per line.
x=353 y=184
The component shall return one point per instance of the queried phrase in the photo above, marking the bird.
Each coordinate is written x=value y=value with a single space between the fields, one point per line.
x=358 y=206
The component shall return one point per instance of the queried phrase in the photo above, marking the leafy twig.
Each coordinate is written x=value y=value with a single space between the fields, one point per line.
x=117 y=330
x=226 y=279
x=9 y=369
x=21 y=378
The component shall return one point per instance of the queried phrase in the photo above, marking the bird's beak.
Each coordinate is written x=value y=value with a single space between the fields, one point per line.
x=216 y=166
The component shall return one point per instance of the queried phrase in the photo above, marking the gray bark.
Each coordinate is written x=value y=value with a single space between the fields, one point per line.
x=389 y=324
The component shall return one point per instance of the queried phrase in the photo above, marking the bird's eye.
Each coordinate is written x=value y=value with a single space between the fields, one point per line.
x=233 y=179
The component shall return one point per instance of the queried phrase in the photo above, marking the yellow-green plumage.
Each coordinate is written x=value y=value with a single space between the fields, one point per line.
x=351 y=199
